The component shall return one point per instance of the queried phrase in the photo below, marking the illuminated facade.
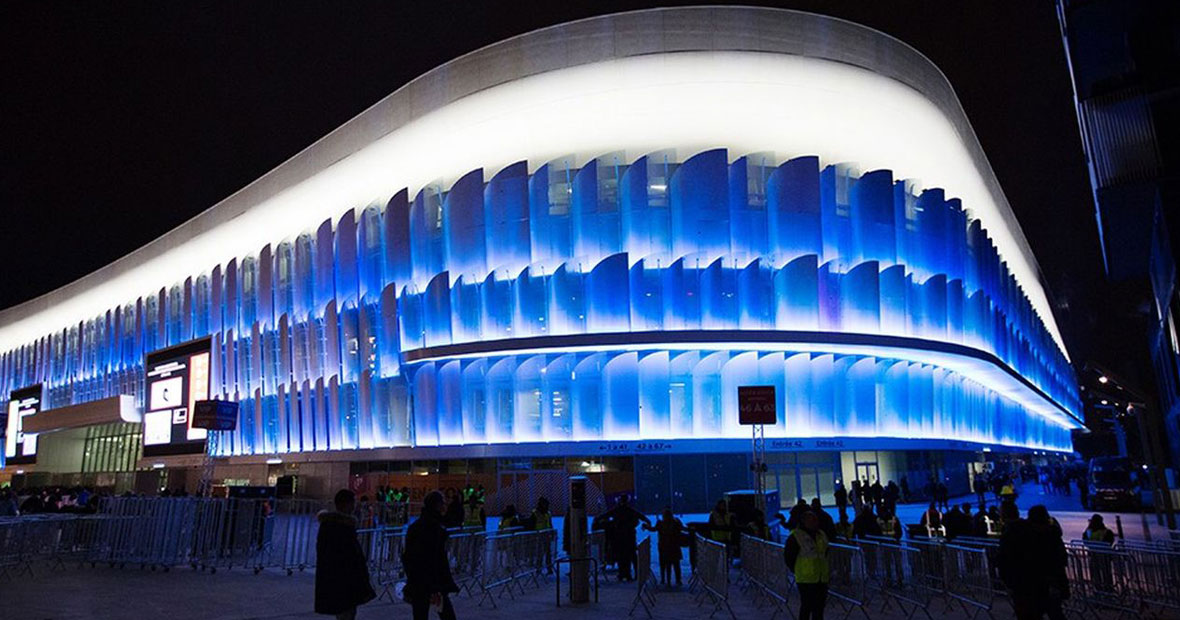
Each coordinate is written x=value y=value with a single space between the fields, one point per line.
x=595 y=233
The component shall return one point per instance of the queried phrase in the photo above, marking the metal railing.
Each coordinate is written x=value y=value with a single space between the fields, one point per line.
x=712 y=574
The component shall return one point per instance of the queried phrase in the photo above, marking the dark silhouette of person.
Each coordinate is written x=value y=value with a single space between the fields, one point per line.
x=1032 y=561
x=341 y=576
x=622 y=521
x=670 y=532
x=428 y=571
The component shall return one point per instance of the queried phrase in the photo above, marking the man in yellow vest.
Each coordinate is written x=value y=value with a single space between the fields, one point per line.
x=721 y=523
x=806 y=554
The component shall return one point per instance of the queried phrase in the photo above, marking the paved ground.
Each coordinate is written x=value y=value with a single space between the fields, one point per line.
x=183 y=594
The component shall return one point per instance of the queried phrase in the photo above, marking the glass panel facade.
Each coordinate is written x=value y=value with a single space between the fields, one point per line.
x=351 y=335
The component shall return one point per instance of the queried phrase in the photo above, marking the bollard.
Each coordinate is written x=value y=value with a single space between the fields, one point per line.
x=1118 y=525
x=579 y=571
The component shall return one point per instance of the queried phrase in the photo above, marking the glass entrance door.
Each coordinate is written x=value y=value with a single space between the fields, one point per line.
x=867 y=472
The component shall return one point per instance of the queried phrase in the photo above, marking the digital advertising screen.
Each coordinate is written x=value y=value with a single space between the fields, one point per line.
x=20 y=448
x=177 y=377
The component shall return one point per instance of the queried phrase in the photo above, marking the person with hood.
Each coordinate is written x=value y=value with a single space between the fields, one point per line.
x=806 y=556
x=428 y=571
x=342 y=575
x=1032 y=560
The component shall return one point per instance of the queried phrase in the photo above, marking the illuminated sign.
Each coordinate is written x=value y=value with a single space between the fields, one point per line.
x=756 y=405
x=177 y=378
x=20 y=448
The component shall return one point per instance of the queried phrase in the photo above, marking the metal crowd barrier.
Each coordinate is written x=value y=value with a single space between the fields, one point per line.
x=52 y=539
x=968 y=579
x=764 y=572
x=597 y=550
x=513 y=560
x=643 y=579
x=712 y=574
x=898 y=575
x=848 y=580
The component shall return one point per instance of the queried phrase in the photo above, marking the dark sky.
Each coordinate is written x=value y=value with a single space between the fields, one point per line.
x=120 y=120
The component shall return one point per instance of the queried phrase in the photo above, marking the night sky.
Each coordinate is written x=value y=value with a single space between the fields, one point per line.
x=119 y=120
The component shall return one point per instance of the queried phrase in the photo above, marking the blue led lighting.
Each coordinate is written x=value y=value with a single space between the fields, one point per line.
x=322 y=337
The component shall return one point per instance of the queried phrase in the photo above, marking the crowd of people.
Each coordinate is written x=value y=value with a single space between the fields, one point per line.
x=36 y=500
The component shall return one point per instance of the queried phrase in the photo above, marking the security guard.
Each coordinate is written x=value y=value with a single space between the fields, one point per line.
x=721 y=523
x=1097 y=531
x=542 y=519
x=806 y=555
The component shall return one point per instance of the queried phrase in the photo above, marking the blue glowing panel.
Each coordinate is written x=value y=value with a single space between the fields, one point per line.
x=550 y=203
x=749 y=178
x=871 y=212
x=465 y=227
x=699 y=195
x=506 y=200
x=397 y=238
x=608 y=307
x=426 y=235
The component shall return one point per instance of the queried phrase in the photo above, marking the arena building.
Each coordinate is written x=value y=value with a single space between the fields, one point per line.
x=564 y=253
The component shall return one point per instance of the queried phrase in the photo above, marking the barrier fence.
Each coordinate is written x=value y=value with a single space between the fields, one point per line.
x=1129 y=578
x=712 y=574
x=848 y=578
x=764 y=572
x=512 y=561
x=643 y=579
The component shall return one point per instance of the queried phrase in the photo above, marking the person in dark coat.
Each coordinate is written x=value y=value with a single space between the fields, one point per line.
x=826 y=524
x=428 y=571
x=455 y=512
x=341 y=575
x=1032 y=561
x=670 y=532
x=621 y=523
x=956 y=523
x=841 y=497
x=865 y=524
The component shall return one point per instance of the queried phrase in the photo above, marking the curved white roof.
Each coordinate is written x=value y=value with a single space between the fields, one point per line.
x=747 y=79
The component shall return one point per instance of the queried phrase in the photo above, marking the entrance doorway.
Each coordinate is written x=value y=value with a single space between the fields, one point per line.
x=867 y=471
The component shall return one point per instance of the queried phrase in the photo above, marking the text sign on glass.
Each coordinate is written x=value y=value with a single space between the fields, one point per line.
x=757 y=405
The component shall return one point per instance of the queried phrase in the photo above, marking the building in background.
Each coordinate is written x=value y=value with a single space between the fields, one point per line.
x=564 y=253
x=1124 y=58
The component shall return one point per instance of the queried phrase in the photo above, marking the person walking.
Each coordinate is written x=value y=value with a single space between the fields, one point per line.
x=1032 y=561
x=980 y=488
x=806 y=556
x=341 y=576
x=905 y=489
x=428 y=571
